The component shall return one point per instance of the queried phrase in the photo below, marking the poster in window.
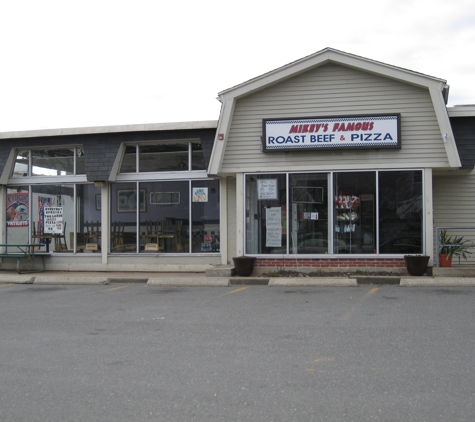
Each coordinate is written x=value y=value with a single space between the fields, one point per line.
x=274 y=227
x=127 y=200
x=18 y=205
x=200 y=194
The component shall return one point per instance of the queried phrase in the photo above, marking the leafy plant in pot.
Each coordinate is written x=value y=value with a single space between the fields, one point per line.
x=451 y=246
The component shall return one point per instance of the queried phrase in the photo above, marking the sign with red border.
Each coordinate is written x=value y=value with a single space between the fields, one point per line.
x=375 y=131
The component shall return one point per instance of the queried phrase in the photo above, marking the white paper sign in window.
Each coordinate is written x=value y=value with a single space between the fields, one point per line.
x=267 y=189
x=53 y=219
x=274 y=227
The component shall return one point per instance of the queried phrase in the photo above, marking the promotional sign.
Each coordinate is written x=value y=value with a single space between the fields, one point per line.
x=53 y=220
x=206 y=247
x=200 y=194
x=310 y=216
x=17 y=209
x=377 y=131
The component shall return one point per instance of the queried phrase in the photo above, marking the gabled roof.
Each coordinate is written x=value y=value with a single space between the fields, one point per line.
x=437 y=88
x=323 y=57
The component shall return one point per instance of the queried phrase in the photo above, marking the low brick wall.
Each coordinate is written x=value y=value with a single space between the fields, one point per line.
x=330 y=263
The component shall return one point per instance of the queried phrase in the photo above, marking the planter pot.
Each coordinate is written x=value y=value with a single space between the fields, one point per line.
x=416 y=264
x=445 y=260
x=244 y=265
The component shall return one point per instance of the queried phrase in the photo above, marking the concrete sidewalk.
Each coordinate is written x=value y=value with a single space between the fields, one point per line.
x=201 y=279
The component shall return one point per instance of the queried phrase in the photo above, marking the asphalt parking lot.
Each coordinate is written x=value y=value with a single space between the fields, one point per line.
x=132 y=352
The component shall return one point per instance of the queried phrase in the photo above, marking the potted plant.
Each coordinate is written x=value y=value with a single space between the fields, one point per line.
x=416 y=264
x=451 y=246
x=244 y=265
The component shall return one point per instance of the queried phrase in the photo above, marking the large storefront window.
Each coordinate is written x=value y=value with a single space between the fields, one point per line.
x=205 y=216
x=400 y=212
x=18 y=214
x=88 y=217
x=308 y=195
x=49 y=162
x=151 y=217
x=163 y=157
x=354 y=213
x=266 y=214
x=370 y=212
x=59 y=217
x=268 y=198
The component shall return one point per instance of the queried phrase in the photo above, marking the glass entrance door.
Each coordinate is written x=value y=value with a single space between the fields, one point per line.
x=309 y=213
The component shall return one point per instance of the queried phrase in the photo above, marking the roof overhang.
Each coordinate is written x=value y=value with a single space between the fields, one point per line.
x=206 y=124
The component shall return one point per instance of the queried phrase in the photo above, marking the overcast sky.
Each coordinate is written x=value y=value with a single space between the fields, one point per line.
x=98 y=63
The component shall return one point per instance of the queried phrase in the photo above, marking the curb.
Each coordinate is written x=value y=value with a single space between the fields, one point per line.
x=17 y=279
x=227 y=281
x=207 y=281
x=385 y=280
x=71 y=280
x=438 y=281
x=312 y=281
x=248 y=281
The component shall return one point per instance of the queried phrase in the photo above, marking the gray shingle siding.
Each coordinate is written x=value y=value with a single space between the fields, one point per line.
x=100 y=150
x=464 y=132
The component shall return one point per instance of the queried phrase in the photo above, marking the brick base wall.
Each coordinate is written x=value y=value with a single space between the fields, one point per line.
x=331 y=263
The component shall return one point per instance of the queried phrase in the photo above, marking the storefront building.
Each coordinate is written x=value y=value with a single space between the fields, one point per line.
x=340 y=161
x=126 y=198
x=334 y=160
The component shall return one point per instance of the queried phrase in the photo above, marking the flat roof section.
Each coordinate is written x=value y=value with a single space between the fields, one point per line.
x=205 y=124
x=465 y=110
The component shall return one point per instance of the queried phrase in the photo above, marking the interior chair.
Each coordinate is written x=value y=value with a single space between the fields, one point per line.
x=81 y=240
x=152 y=228
x=117 y=236
x=130 y=241
x=178 y=236
x=60 y=240
x=93 y=230
x=35 y=235
x=166 y=236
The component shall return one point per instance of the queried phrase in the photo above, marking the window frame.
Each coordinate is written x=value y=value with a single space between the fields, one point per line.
x=139 y=222
x=331 y=219
x=137 y=146
x=76 y=148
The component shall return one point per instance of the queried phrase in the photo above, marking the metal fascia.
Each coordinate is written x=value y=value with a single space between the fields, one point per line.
x=445 y=127
x=219 y=146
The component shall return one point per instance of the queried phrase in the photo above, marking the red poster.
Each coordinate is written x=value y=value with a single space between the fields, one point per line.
x=18 y=205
